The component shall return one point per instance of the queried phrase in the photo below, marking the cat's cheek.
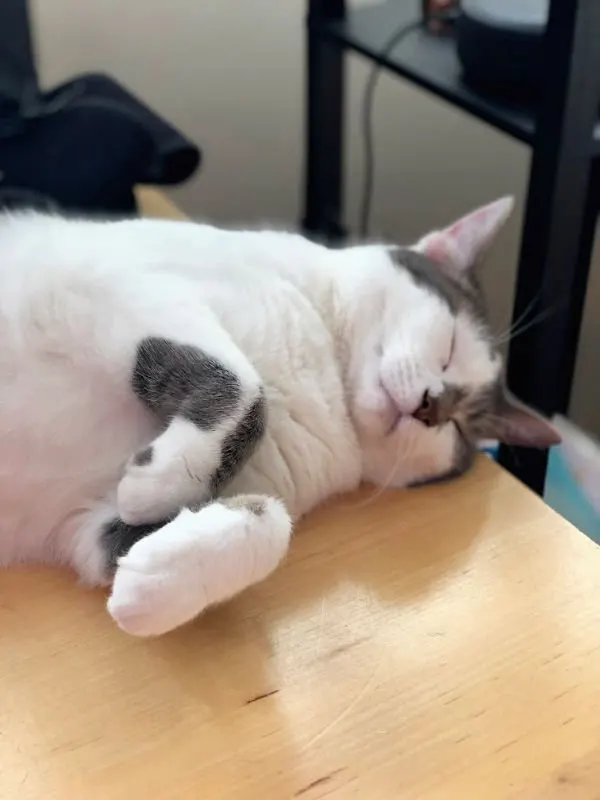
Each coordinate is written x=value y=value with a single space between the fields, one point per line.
x=409 y=454
x=374 y=410
x=407 y=441
x=383 y=459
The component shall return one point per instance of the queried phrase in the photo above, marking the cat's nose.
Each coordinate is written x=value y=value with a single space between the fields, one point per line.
x=427 y=412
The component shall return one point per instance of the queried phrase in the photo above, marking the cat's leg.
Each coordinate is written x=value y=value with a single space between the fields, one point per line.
x=165 y=574
x=197 y=560
x=93 y=549
x=214 y=409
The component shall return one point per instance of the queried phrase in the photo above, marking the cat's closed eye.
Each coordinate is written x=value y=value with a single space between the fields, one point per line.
x=451 y=350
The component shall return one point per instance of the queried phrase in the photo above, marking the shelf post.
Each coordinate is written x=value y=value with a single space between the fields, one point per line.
x=559 y=223
x=324 y=141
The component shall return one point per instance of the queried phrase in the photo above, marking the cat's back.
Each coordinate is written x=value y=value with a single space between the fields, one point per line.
x=42 y=256
x=75 y=297
x=41 y=252
x=62 y=279
x=66 y=290
x=49 y=268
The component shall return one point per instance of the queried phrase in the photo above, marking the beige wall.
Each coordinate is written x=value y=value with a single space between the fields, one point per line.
x=229 y=73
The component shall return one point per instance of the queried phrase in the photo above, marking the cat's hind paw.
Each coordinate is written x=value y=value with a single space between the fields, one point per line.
x=198 y=560
x=148 y=494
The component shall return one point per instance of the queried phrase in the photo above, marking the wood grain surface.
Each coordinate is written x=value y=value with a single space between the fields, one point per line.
x=441 y=643
x=157 y=204
x=436 y=644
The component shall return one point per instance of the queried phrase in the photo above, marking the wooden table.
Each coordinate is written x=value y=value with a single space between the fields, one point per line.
x=438 y=644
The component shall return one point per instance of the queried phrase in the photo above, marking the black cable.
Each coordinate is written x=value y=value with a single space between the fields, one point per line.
x=367 y=124
x=367 y=113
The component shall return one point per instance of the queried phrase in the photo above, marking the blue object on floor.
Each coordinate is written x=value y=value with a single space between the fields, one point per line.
x=564 y=495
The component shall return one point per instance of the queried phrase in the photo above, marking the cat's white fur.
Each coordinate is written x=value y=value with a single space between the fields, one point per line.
x=342 y=340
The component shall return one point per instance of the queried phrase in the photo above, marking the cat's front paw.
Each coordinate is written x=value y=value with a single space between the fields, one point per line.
x=199 y=559
x=158 y=585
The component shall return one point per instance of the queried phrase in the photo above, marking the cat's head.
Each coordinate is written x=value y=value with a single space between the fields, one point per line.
x=425 y=374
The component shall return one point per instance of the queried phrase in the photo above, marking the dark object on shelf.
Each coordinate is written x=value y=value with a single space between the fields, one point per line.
x=82 y=146
x=562 y=200
x=499 y=45
x=439 y=15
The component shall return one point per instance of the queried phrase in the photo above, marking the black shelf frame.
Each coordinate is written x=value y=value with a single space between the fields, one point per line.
x=564 y=178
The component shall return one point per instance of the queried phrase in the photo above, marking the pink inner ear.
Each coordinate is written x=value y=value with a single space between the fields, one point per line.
x=453 y=247
x=458 y=246
x=435 y=247
x=475 y=218
x=441 y=247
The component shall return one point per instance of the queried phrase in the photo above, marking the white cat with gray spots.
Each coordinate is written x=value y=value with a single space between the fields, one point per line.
x=174 y=395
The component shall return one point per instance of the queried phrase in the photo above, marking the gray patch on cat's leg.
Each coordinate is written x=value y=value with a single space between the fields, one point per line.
x=171 y=576
x=239 y=445
x=255 y=504
x=143 y=457
x=178 y=379
x=117 y=539
x=172 y=378
x=214 y=421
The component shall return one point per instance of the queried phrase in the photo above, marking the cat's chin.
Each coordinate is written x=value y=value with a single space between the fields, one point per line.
x=402 y=422
x=376 y=424
x=395 y=459
x=407 y=424
x=385 y=423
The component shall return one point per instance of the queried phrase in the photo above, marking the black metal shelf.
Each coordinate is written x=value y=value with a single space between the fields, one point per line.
x=428 y=61
x=564 y=179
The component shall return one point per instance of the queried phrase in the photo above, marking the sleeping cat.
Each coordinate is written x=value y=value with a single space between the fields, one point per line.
x=174 y=395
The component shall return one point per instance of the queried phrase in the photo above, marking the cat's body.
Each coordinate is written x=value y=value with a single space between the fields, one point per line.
x=74 y=325
x=255 y=366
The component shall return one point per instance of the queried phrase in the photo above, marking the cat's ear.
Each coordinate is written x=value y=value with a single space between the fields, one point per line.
x=516 y=424
x=459 y=247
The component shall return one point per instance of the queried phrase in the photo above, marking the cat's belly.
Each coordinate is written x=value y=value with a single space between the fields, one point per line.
x=58 y=458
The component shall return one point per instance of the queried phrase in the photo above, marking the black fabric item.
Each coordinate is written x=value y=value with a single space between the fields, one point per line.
x=17 y=67
x=83 y=147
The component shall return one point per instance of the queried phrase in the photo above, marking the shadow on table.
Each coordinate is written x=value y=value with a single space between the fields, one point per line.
x=391 y=548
